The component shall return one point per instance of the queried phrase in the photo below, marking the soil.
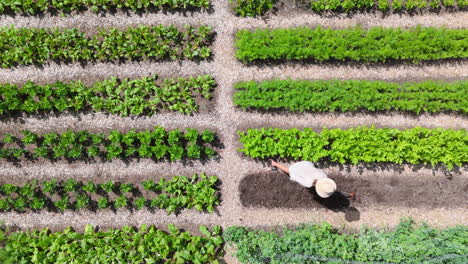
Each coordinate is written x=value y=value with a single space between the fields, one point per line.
x=275 y=190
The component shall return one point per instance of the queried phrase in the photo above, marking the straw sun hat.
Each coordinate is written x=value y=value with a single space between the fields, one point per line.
x=325 y=187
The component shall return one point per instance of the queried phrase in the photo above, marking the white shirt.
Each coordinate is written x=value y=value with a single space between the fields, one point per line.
x=304 y=173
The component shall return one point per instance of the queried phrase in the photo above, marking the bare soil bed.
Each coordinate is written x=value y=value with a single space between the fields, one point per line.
x=275 y=190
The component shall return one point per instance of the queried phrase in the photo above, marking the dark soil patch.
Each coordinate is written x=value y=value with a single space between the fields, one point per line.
x=275 y=190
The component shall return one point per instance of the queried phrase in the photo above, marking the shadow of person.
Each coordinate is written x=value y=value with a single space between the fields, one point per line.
x=338 y=202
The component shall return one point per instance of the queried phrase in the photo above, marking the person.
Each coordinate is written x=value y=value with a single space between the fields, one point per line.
x=307 y=175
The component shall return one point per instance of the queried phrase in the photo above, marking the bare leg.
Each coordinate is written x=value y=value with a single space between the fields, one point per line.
x=280 y=167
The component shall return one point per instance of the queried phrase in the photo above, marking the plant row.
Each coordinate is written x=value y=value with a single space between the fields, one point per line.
x=324 y=244
x=156 y=144
x=125 y=97
x=120 y=245
x=179 y=192
x=376 y=44
x=25 y=46
x=252 y=8
x=360 y=144
x=34 y=7
x=320 y=6
x=352 y=95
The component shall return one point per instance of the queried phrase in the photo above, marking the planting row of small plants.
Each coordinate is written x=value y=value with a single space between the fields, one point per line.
x=34 y=7
x=156 y=144
x=117 y=96
x=25 y=46
x=375 y=45
x=352 y=95
x=324 y=244
x=360 y=144
x=177 y=193
x=254 y=8
x=122 y=245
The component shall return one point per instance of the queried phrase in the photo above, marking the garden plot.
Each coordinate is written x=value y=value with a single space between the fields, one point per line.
x=220 y=115
x=275 y=190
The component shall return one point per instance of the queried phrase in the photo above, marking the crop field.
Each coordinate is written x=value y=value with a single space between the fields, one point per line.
x=142 y=131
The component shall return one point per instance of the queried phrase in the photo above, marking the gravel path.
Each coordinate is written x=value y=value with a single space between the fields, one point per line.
x=231 y=168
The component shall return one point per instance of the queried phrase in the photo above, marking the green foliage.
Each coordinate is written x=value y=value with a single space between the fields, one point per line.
x=63 y=203
x=20 y=203
x=140 y=203
x=8 y=189
x=353 y=95
x=376 y=44
x=25 y=46
x=82 y=202
x=50 y=187
x=108 y=186
x=89 y=187
x=179 y=192
x=117 y=96
x=126 y=245
x=70 y=185
x=252 y=8
x=360 y=144
x=323 y=244
x=157 y=144
x=120 y=202
x=126 y=187
x=102 y=203
x=30 y=7
x=320 y=6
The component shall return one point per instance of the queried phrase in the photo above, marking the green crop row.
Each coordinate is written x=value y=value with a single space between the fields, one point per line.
x=122 y=245
x=324 y=244
x=352 y=95
x=320 y=6
x=25 y=46
x=179 y=192
x=34 y=7
x=156 y=144
x=361 y=144
x=136 y=97
x=376 y=44
x=252 y=8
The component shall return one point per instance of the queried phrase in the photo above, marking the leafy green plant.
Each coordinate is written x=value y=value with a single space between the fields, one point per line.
x=360 y=144
x=374 y=45
x=38 y=203
x=82 y=201
x=352 y=95
x=175 y=246
x=20 y=203
x=198 y=191
x=252 y=8
x=103 y=203
x=325 y=244
x=89 y=187
x=121 y=202
x=5 y=205
x=139 y=203
x=29 y=7
x=70 y=185
x=50 y=187
x=107 y=186
x=126 y=187
x=25 y=46
x=158 y=144
x=8 y=189
x=63 y=203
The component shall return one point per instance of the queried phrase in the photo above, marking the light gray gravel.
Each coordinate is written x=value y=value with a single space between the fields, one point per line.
x=231 y=168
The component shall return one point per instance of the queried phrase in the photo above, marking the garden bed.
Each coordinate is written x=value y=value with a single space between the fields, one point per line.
x=275 y=190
